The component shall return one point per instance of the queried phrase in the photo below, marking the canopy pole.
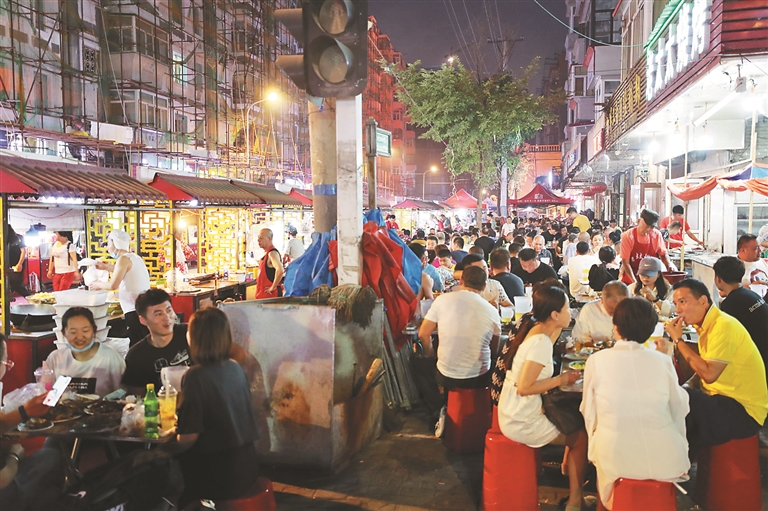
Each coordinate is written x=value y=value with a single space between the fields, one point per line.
x=5 y=290
x=685 y=203
x=753 y=157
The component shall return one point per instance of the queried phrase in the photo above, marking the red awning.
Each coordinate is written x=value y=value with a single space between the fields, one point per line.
x=210 y=191
x=462 y=200
x=305 y=201
x=417 y=204
x=268 y=194
x=9 y=184
x=540 y=196
x=30 y=176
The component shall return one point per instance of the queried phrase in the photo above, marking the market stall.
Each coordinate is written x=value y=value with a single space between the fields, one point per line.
x=540 y=197
x=414 y=214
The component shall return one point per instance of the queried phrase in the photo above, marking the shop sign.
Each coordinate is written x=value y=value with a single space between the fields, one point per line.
x=685 y=40
x=597 y=143
x=572 y=157
x=627 y=106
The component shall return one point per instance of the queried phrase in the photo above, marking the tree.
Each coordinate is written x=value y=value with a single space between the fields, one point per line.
x=481 y=120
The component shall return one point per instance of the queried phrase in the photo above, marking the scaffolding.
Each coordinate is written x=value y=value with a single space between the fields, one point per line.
x=153 y=85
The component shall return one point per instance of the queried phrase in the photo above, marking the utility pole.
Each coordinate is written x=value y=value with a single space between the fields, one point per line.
x=349 y=146
x=370 y=154
x=322 y=153
x=506 y=51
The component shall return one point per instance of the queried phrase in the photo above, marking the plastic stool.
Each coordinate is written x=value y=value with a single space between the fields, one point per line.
x=261 y=497
x=495 y=428
x=634 y=495
x=468 y=417
x=510 y=475
x=728 y=476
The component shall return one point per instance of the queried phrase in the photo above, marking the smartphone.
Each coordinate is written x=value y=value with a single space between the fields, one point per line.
x=58 y=389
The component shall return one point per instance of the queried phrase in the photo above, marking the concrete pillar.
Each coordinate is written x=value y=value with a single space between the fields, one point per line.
x=349 y=144
x=322 y=147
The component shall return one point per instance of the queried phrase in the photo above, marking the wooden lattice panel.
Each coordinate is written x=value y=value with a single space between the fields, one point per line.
x=156 y=243
x=218 y=239
x=102 y=222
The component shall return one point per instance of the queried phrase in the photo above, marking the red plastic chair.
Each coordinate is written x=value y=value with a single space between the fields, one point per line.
x=634 y=495
x=510 y=475
x=261 y=497
x=728 y=476
x=468 y=417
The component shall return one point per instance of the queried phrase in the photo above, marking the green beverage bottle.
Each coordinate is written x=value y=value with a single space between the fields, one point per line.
x=151 y=413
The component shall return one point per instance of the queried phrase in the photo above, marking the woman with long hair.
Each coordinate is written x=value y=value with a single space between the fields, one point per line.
x=652 y=285
x=529 y=375
x=217 y=426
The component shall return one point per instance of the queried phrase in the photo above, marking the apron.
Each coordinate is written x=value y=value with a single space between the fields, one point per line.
x=639 y=252
x=262 y=281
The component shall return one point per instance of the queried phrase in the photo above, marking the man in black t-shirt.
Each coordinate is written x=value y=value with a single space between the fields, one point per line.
x=741 y=303
x=531 y=270
x=485 y=242
x=500 y=263
x=165 y=346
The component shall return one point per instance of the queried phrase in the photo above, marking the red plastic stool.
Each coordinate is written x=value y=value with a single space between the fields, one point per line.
x=468 y=417
x=32 y=444
x=728 y=476
x=634 y=495
x=261 y=497
x=510 y=475
x=495 y=428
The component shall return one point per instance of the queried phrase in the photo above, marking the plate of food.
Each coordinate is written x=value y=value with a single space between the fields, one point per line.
x=104 y=407
x=66 y=411
x=35 y=424
x=577 y=365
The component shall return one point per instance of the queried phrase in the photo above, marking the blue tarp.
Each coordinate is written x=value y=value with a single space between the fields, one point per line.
x=310 y=270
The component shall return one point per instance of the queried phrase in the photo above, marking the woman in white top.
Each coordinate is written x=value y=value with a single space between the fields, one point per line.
x=130 y=277
x=529 y=375
x=95 y=368
x=633 y=407
x=63 y=263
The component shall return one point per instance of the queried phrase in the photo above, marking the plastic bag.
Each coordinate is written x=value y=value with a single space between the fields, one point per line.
x=18 y=397
x=92 y=275
x=132 y=422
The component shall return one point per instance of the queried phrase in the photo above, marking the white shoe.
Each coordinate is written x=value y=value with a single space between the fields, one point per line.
x=440 y=424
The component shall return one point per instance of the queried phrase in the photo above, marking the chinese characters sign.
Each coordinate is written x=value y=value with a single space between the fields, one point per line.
x=685 y=40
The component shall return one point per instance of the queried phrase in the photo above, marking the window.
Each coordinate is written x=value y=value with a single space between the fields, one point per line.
x=578 y=86
x=397 y=115
x=179 y=70
x=409 y=142
x=154 y=111
x=397 y=133
x=91 y=61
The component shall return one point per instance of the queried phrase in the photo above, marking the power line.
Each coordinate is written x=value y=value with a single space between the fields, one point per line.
x=474 y=37
x=584 y=35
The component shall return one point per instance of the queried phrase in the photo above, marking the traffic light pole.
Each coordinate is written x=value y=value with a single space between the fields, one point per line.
x=349 y=147
x=322 y=153
x=370 y=155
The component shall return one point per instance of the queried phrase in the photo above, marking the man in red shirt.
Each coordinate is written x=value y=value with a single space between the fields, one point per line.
x=641 y=242
x=675 y=240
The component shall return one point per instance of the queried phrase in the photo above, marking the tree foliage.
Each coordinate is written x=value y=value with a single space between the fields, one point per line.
x=482 y=121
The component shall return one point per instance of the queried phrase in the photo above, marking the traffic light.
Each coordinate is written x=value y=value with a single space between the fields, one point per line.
x=334 y=34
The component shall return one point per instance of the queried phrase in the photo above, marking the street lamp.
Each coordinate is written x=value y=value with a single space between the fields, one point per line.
x=271 y=97
x=433 y=168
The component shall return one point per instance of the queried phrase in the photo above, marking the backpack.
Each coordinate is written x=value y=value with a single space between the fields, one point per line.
x=139 y=481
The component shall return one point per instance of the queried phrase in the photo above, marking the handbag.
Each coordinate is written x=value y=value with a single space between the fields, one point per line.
x=562 y=410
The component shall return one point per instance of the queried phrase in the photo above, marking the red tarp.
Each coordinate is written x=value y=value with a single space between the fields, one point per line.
x=753 y=178
x=305 y=201
x=383 y=271
x=417 y=204
x=462 y=200
x=540 y=196
x=9 y=184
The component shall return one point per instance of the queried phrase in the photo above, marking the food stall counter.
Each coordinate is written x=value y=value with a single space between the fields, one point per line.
x=27 y=350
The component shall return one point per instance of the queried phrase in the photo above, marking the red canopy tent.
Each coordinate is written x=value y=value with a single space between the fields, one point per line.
x=305 y=201
x=461 y=200
x=540 y=196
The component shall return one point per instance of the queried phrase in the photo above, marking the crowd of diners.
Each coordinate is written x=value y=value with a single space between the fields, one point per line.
x=216 y=429
x=639 y=422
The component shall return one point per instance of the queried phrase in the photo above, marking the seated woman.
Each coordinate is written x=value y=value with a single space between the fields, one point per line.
x=606 y=271
x=633 y=408
x=652 y=285
x=529 y=375
x=95 y=368
x=27 y=482
x=217 y=426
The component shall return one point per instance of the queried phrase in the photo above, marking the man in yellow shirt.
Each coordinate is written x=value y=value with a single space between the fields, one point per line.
x=580 y=221
x=732 y=401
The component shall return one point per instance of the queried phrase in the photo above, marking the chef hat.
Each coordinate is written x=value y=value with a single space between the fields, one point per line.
x=120 y=239
x=650 y=266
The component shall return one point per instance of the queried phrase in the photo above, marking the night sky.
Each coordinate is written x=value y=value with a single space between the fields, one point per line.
x=422 y=29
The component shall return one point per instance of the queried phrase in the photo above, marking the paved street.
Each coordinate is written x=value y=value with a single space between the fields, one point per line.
x=411 y=470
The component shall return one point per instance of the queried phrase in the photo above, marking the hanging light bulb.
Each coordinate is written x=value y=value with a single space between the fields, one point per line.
x=654 y=146
x=705 y=140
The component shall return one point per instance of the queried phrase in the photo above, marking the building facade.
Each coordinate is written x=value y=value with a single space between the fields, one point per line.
x=170 y=85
